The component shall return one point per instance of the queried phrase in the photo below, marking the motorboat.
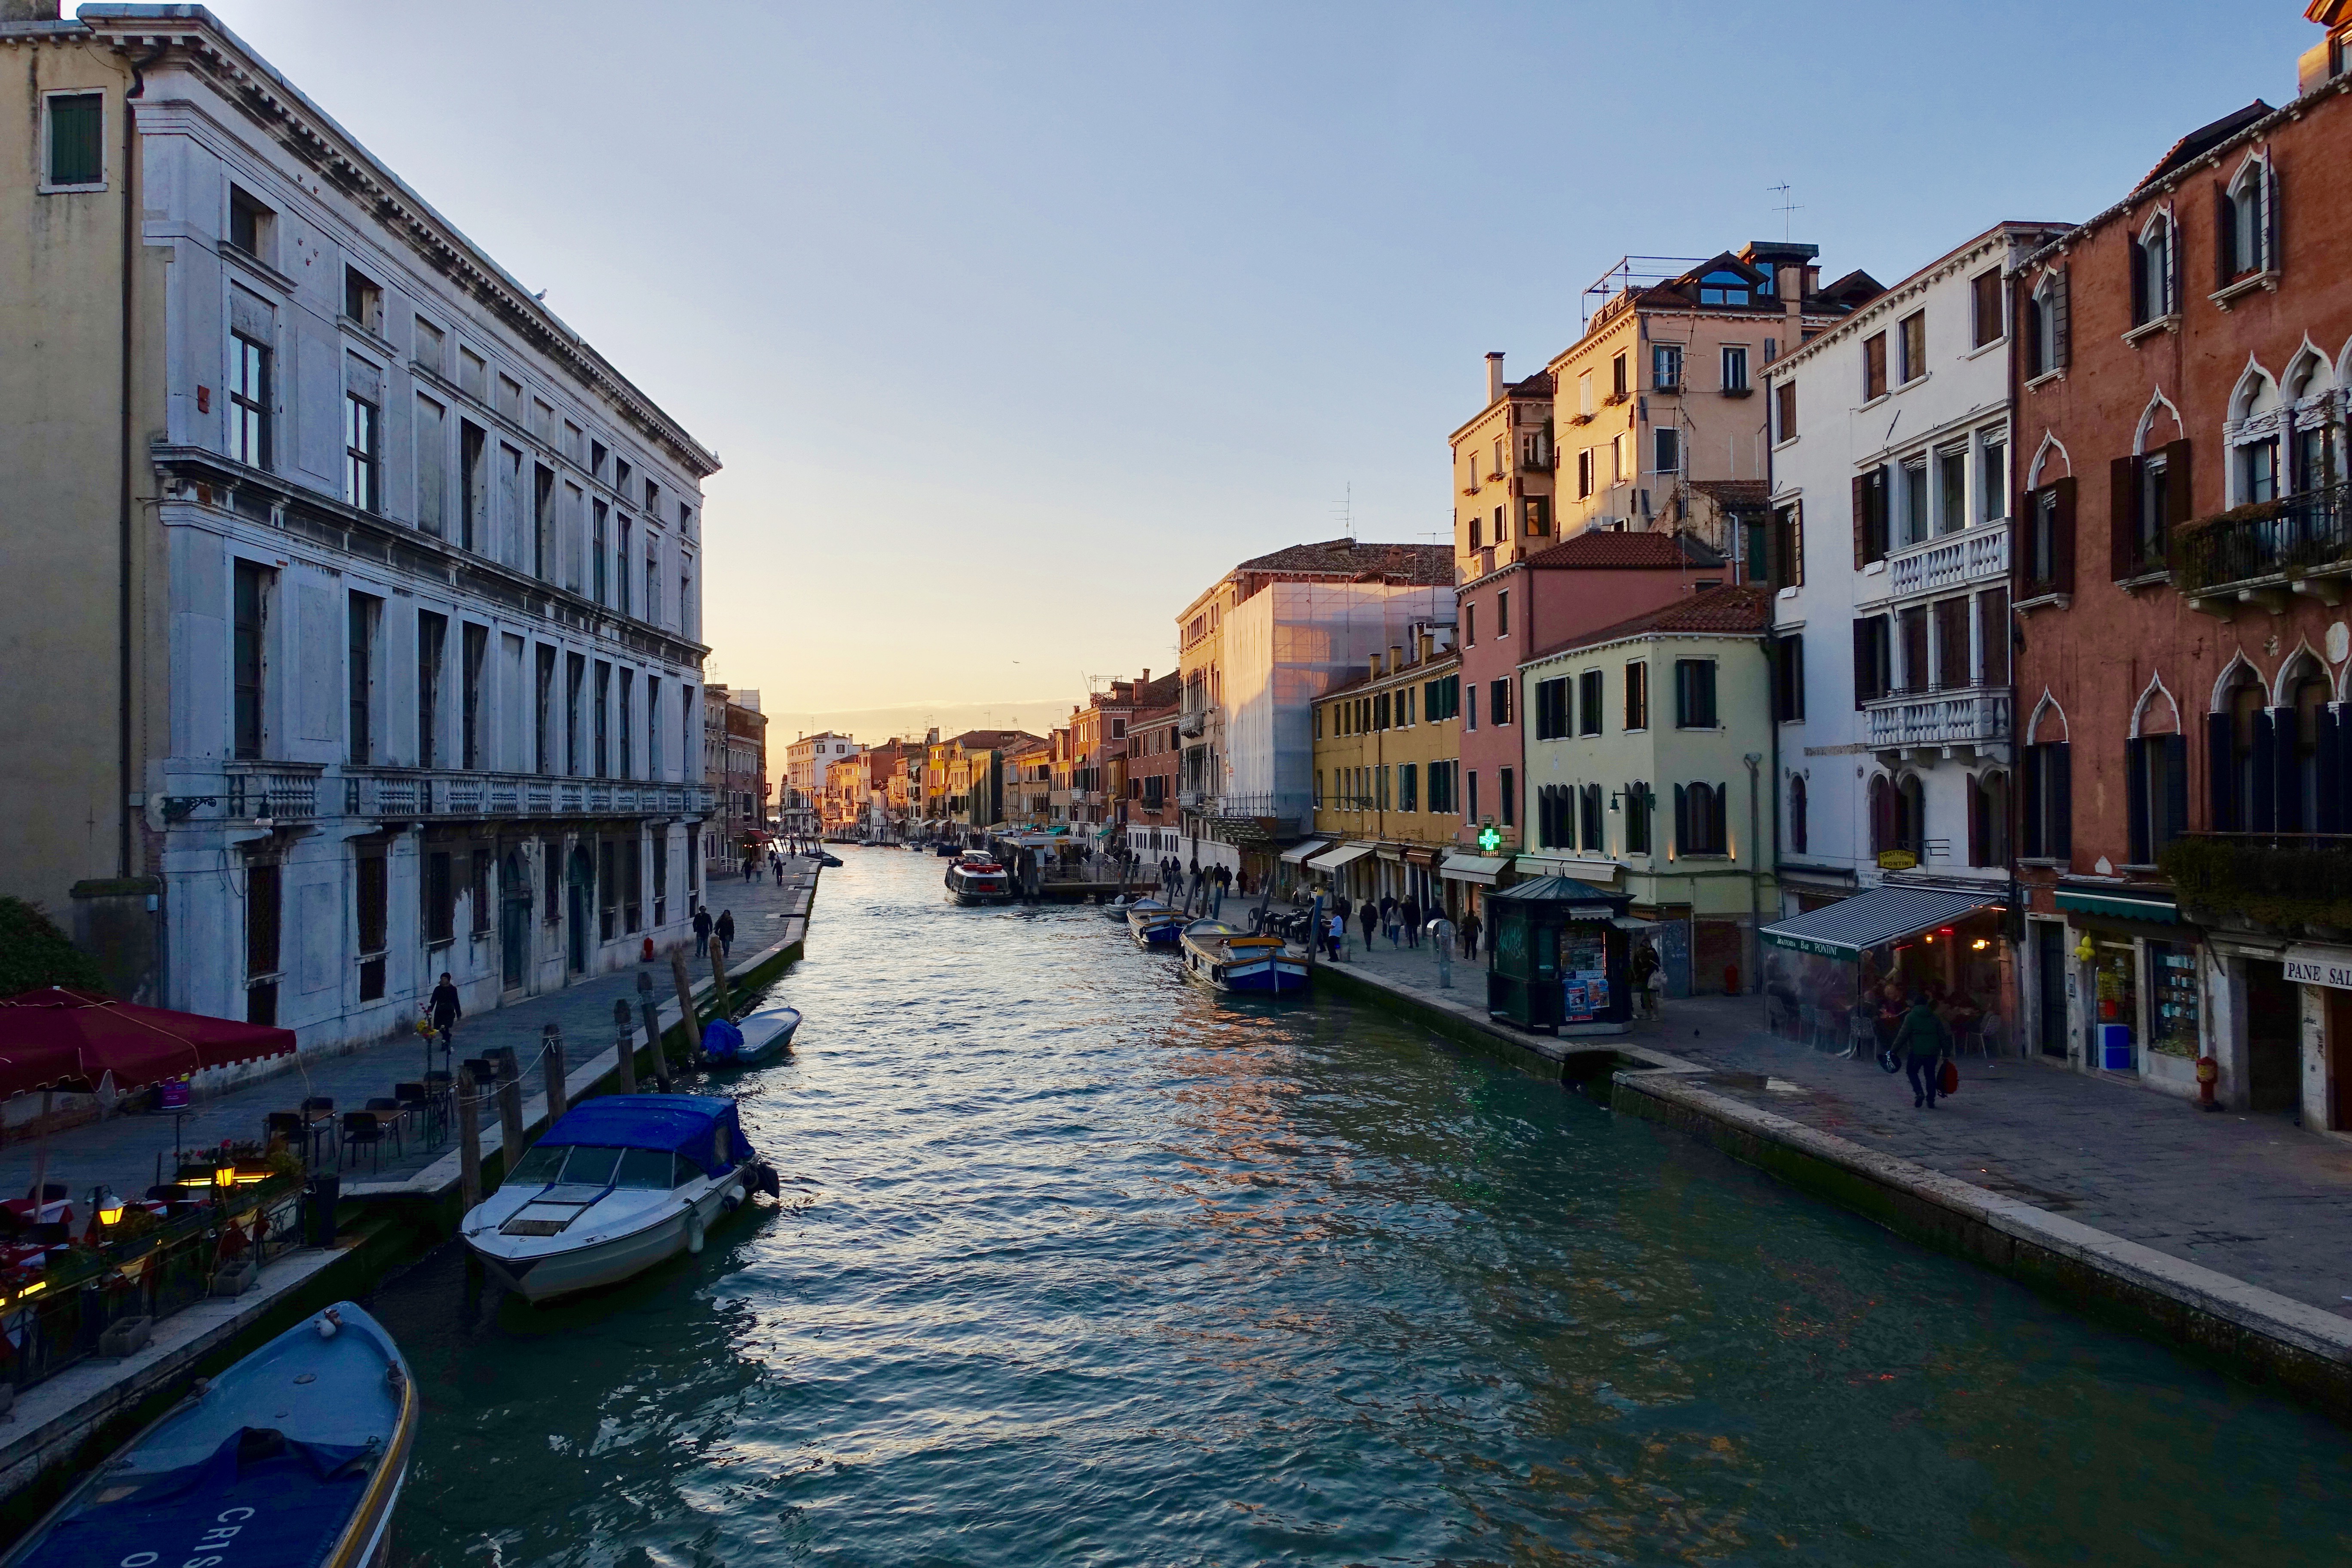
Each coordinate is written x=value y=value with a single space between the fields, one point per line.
x=618 y=1184
x=1233 y=960
x=294 y=1455
x=754 y=1040
x=978 y=878
x=945 y=850
x=826 y=857
x=1154 y=924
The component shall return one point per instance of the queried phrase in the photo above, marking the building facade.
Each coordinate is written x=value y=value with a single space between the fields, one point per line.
x=391 y=583
x=1388 y=768
x=1648 y=759
x=2182 y=645
x=735 y=750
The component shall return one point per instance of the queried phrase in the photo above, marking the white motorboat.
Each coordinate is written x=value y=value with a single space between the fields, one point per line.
x=618 y=1184
x=977 y=877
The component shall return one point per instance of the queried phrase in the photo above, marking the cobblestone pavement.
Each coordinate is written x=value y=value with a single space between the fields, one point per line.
x=2256 y=1197
x=123 y=1151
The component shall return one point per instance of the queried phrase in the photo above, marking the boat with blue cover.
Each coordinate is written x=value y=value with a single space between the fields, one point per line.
x=754 y=1040
x=617 y=1185
x=1232 y=958
x=1154 y=924
x=291 y=1459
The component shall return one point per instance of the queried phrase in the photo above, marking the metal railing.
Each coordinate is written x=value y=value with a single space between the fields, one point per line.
x=2273 y=539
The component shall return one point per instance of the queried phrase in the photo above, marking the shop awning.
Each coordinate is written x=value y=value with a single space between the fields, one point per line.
x=1415 y=855
x=1298 y=852
x=1882 y=915
x=2123 y=904
x=1483 y=869
x=1582 y=870
x=1346 y=854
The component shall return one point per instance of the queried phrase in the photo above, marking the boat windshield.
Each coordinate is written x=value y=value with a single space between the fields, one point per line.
x=540 y=1164
x=590 y=1167
x=644 y=1169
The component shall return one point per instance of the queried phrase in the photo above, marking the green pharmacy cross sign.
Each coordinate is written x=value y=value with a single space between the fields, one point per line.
x=1490 y=838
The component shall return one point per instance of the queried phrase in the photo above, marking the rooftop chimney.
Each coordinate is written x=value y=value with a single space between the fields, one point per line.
x=1145 y=679
x=1494 y=376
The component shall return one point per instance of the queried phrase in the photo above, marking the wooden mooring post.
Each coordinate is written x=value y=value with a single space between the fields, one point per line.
x=470 y=1144
x=552 y=1054
x=686 y=1002
x=718 y=979
x=626 y=1027
x=653 y=1030
x=509 y=1092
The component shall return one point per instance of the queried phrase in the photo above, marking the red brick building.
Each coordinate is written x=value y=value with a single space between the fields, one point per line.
x=1147 y=769
x=2183 y=551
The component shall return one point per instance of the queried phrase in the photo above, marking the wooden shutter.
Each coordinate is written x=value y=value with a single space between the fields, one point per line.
x=2225 y=236
x=2177 y=506
x=2285 y=741
x=2061 y=550
x=2062 y=800
x=2123 y=515
x=2327 y=815
x=1974 y=789
x=1861 y=510
x=2176 y=786
x=2139 y=303
x=2136 y=799
x=2220 y=776
x=2031 y=798
x=2270 y=216
x=1719 y=825
x=2261 y=813
x=1682 y=820
x=2061 y=320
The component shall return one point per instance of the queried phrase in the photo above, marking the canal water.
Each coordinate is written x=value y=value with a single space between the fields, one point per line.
x=1081 y=1263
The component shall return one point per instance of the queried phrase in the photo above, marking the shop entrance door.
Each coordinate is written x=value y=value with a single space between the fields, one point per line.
x=2050 y=974
x=2273 y=1037
x=2339 y=1060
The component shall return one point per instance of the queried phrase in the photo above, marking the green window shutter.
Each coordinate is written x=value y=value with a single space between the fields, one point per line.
x=77 y=138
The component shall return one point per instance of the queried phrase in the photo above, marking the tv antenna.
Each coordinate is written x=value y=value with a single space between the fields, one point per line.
x=1786 y=209
x=1344 y=509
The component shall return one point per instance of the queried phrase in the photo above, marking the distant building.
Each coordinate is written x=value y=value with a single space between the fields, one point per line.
x=735 y=753
x=1388 y=778
x=807 y=760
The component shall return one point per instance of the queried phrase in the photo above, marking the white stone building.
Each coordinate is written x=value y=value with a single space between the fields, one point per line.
x=414 y=580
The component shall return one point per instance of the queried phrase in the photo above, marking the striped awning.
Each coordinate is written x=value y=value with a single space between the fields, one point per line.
x=1298 y=852
x=1867 y=920
x=2152 y=905
x=1346 y=854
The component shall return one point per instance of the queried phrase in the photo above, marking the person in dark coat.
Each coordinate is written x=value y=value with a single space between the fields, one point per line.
x=1369 y=917
x=1922 y=1040
x=1411 y=910
x=701 y=932
x=1471 y=925
x=444 y=1009
x=725 y=930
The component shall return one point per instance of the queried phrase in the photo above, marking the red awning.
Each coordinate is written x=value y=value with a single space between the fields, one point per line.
x=57 y=1038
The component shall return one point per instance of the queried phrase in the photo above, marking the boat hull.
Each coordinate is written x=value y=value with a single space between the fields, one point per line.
x=1221 y=957
x=552 y=1275
x=1165 y=935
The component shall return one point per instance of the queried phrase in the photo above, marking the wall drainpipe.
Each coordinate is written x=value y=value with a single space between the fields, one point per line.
x=127 y=766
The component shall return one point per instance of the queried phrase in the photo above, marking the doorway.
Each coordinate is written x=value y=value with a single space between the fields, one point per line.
x=2050 y=987
x=514 y=922
x=2273 y=1037
x=582 y=900
x=2339 y=1060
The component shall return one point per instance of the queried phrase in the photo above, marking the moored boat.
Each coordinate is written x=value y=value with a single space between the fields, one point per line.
x=754 y=1040
x=293 y=1458
x=618 y=1184
x=1233 y=960
x=1154 y=924
x=976 y=878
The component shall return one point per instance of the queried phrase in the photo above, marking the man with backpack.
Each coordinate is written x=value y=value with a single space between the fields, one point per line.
x=1924 y=1043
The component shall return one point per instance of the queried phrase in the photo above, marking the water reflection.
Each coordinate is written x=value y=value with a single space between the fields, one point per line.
x=1084 y=1266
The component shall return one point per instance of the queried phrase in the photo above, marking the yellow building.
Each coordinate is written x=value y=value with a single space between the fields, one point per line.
x=1388 y=777
x=1503 y=475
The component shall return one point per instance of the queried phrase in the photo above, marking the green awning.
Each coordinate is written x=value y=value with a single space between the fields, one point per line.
x=2153 y=909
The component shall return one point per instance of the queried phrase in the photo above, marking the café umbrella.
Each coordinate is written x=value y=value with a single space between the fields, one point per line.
x=82 y=1042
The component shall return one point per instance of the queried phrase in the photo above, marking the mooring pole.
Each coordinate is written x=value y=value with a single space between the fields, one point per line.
x=551 y=1054
x=470 y=1144
x=627 y=1028
x=718 y=979
x=653 y=1030
x=684 y=1002
x=511 y=1108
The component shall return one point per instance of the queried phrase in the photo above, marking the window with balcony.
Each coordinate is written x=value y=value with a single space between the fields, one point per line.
x=1871 y=507
x=1993 y=635
x=1954 y=667
x=1952 y=490
x=364 y=614
x=1873 y=659
x=1911 y=637
x=2256 y=465
x=2155 y=794
x=248 y=661
x=1992 y=479
x=432 y=636
x=1914 y=500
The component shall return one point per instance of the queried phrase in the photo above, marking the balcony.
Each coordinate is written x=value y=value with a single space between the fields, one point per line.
x=2294 y=884
x=1974 y=717
x=1193 y=724
x=414 y=794
x=1195 y=801
x=1973 y=556
x=280 y=792
x=2266 y=553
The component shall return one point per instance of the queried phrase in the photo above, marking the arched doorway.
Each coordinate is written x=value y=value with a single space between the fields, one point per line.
x=514 y=920
x=582 y=887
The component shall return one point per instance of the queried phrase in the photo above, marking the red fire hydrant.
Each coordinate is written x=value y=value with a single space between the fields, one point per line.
x=2208 y=1072
x=647 y=955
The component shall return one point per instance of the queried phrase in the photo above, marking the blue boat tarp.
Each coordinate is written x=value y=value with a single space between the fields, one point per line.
x=261 y=1500
x=721 y=1041
x=702 y=1127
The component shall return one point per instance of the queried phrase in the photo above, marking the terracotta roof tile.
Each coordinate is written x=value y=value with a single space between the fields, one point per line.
x=1744 y=607
x=1599 y=548
x=1350 y=558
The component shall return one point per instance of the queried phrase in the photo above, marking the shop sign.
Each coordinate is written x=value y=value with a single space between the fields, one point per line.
x=2320 y=966
x=1897 y=860
x=1811 y=945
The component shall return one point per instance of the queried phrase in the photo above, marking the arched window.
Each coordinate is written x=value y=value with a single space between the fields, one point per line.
x=1988 y=820
x=1699 y=824
x=1797 y=829
x=2247 y=236
x=1911 y=817
x=1882 y=815
x=2152 y=290
x=2045 y=325
x=2315 y=450
x=2305 y=712
x=2238 y=758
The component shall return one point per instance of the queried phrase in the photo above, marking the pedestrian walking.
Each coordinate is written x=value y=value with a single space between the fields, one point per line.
x=1369 y=917
x=725 y=930
x=1336 y=933
x=1410 y=911
x=444 y=1011
x=1641 y=971
x=1924 y=1042
x=1470 y=927
x=780 y=869
x=1391 y=921
x=702 y=932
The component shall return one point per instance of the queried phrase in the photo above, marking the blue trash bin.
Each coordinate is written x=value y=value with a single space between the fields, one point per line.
x=2116 y=1047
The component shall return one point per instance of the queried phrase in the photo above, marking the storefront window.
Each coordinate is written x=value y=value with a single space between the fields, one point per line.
x=2116 y=986
x=1583 y=973
x=2172 y=982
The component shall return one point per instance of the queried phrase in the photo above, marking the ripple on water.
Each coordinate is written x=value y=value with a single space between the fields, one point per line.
x=1078 y=1265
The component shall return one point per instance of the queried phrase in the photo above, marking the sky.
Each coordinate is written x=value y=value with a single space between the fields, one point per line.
x=1015 y=326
